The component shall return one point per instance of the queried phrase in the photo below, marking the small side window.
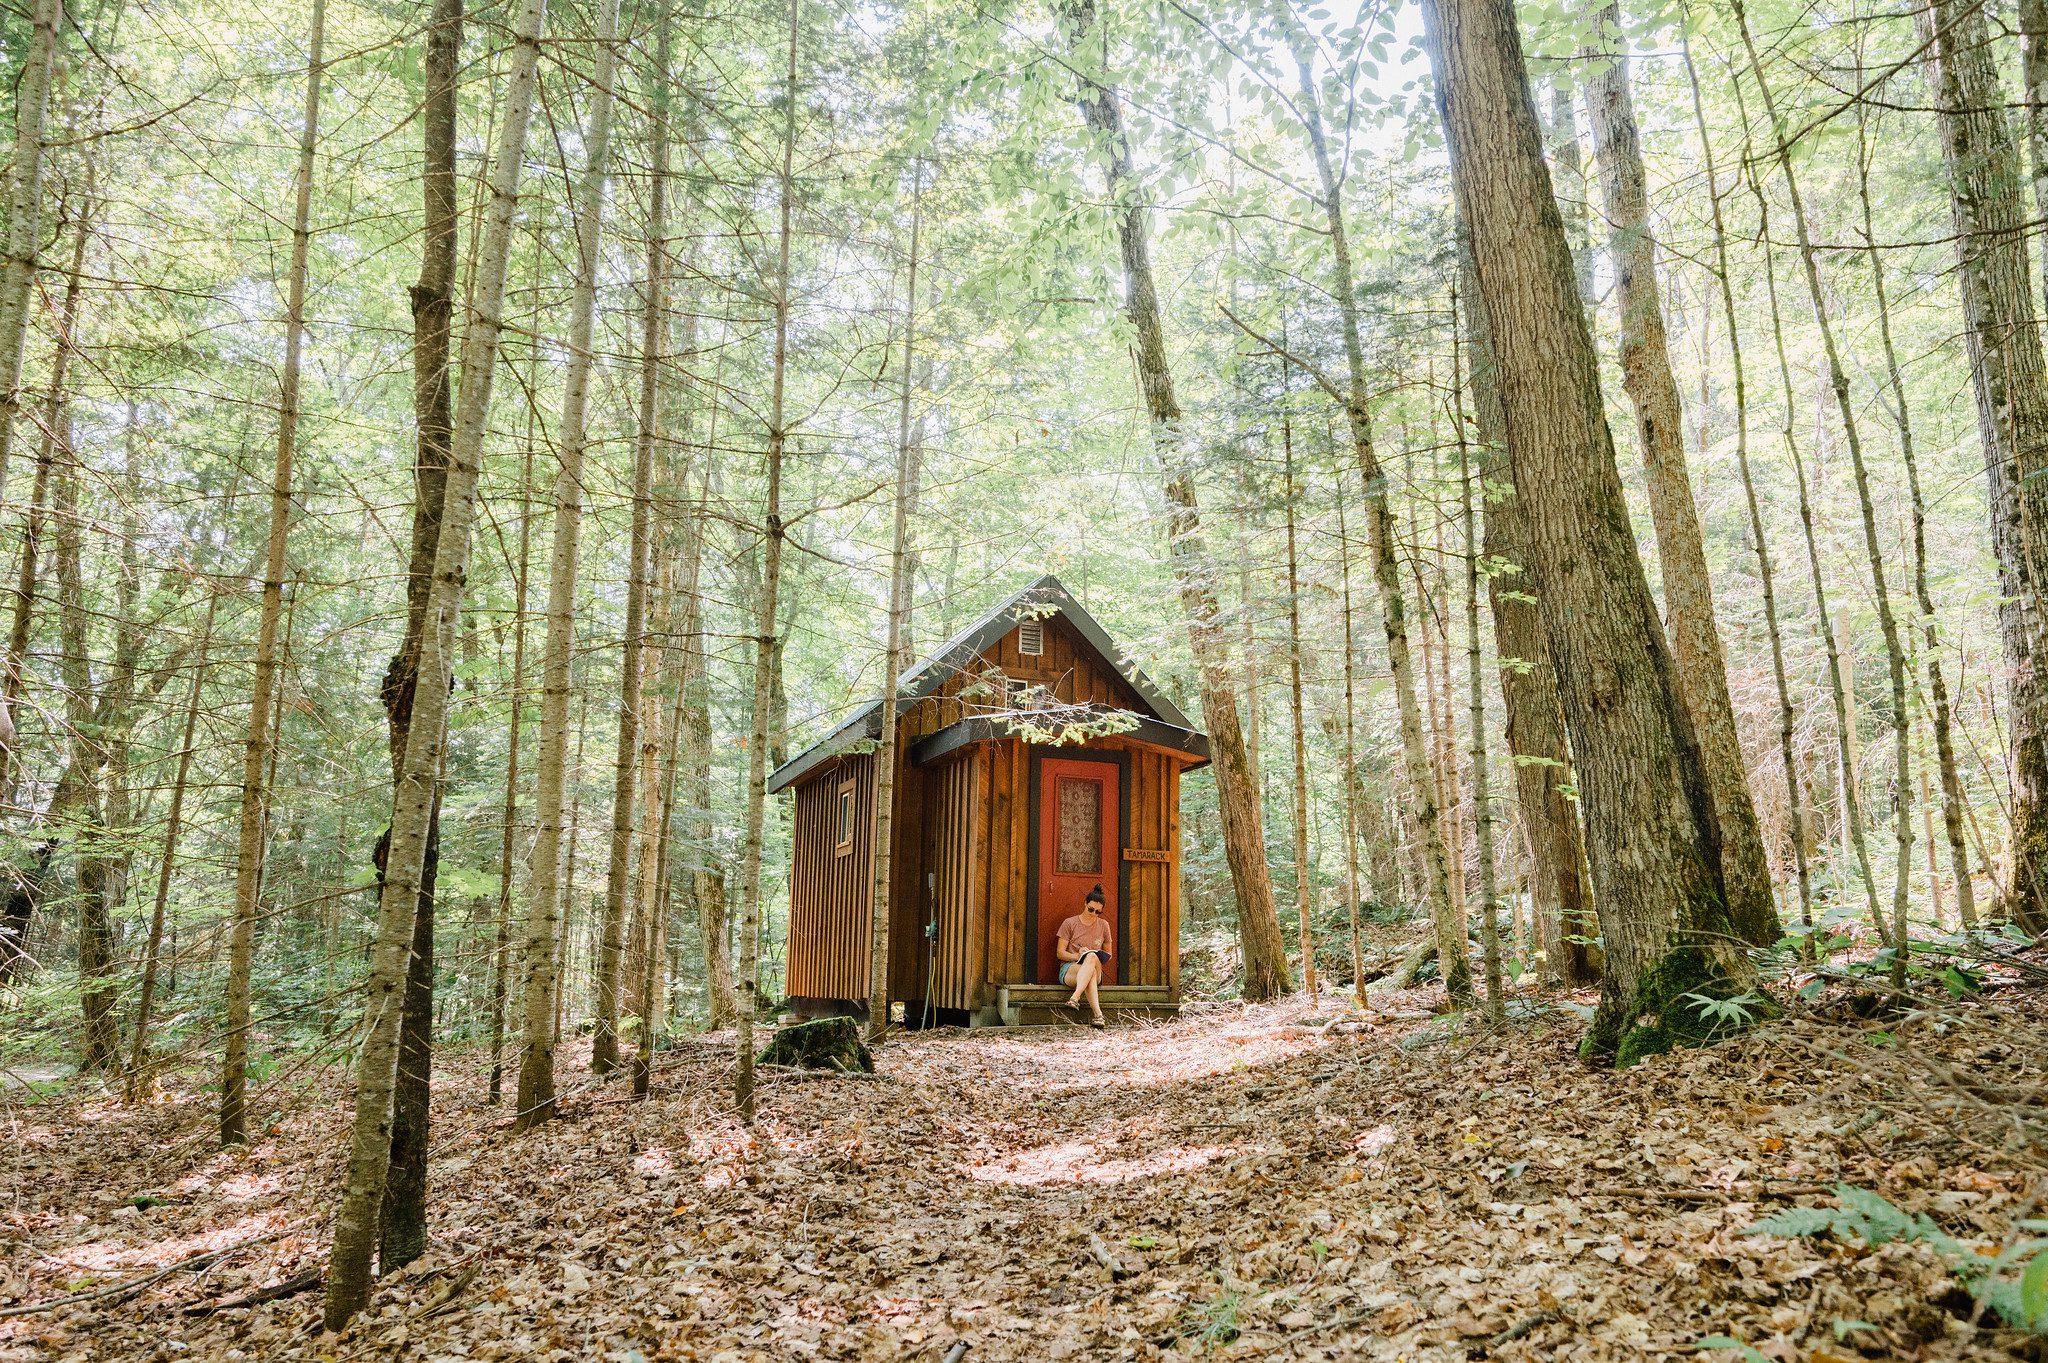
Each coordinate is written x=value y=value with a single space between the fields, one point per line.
x=843 y=820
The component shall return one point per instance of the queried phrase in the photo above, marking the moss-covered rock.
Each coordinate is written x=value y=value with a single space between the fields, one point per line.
x=1675 y=1006
x=827 y=1044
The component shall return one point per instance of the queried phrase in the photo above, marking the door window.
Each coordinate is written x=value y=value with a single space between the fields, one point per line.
x=1079 y=851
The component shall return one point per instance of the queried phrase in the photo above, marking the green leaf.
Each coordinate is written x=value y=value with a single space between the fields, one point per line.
x=2034 y=1290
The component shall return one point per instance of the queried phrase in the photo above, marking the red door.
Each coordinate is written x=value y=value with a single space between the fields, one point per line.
x=1078 y=805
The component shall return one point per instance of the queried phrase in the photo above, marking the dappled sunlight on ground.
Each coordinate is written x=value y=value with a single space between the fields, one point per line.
x=1251 y=1183
x=1082 y=1162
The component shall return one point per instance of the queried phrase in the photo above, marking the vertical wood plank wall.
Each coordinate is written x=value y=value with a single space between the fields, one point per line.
x=964 y=822
x=829 y=891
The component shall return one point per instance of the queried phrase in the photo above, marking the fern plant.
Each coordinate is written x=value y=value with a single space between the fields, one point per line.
x=2012 y=1283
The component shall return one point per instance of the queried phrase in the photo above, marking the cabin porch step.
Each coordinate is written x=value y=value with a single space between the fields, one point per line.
x=1039 y=1005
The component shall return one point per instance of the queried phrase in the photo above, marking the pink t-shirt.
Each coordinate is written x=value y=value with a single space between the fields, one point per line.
x=1087 y=932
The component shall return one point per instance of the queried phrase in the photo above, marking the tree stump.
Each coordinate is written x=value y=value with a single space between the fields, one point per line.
x=826 y=1044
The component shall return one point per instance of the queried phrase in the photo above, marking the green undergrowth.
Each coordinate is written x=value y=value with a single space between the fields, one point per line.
x=1684 y=1000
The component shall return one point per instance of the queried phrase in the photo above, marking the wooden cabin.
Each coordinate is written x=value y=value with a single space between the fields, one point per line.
x=1034 y=762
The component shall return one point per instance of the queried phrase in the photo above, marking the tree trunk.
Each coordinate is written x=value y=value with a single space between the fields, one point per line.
x=255 y=798
x=1795 y=790
x=902 y=572
x=356 y=1221
x=1447 y=911
x=765 y=617
x=1944 y=738
x=24 y=224
x=403 y=1236
x=1845 y=724
x=13 y=673
x=653 y=438
x=1894 y=648
x=604 y=1041
x=501 y=952
x=2011 y=385
x=1301 y=863
x=1354 y=801
x=1650 y=825
x=1244 y=841
x=1681 y=546
x=1475 y=677
x=1528 y=684
x=544 y=908
x=138 y=1054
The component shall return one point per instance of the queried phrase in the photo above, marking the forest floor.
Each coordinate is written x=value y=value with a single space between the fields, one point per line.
x=1266 y=1185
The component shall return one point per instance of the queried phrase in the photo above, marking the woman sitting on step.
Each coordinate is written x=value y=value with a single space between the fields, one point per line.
x=1084 y=948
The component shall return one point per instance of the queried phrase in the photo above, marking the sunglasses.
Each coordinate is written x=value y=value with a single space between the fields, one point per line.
x=1094 y=908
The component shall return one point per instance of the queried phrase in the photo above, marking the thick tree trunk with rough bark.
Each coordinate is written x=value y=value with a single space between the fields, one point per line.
x=1650 y=824
x=356 y=1222
x=1681 y=545
x=1560 y=899
x=2011 y=384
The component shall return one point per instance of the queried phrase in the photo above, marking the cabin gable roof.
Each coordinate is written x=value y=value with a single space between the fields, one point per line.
x=1043 y=598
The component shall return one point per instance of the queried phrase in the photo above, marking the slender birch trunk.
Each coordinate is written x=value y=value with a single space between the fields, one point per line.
x=1937 y=683
x=501 y=951
x=544 y=907
x=1845 y=722
x=356 y=1223
x=902 y=573
x=652 y=438
x=604 y=1042
x=1795 y=790
x=1352 y=801
x=1475 y=678
x=1838 y=380
x=1681 y=545
x=174 y=822
x=1258 y=922
x=773 y=536
x=24 y=226
x=255 y=798
x=1446 y=913
x=1301 y=864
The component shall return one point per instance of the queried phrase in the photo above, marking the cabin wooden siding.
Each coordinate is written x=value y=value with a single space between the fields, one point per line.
x=962 y=848
x=829 y=890
x=956 y=828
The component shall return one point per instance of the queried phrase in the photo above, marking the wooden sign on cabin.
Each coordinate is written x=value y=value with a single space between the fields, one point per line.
x=1034 y=763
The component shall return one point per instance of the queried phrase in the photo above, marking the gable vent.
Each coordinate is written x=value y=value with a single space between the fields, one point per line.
x=1031 y=638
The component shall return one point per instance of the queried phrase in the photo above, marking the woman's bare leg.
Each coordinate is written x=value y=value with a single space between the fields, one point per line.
x=1088 y=975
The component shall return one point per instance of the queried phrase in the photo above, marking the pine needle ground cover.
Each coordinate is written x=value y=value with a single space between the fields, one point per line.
x=1251 y=1183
